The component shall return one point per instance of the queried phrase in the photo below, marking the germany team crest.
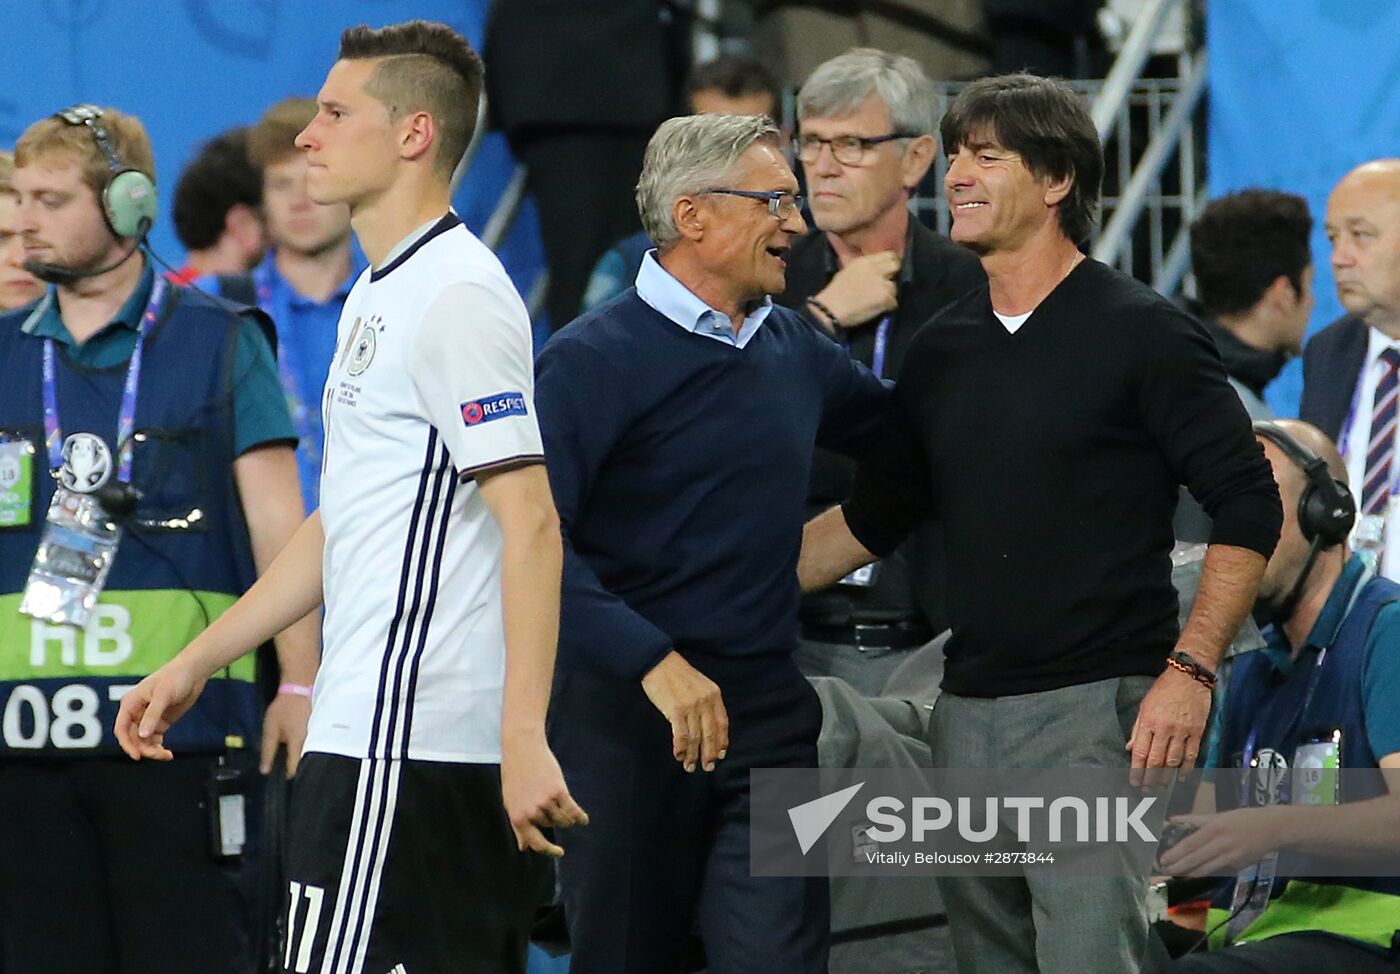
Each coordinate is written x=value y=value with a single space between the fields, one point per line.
x=362 y=350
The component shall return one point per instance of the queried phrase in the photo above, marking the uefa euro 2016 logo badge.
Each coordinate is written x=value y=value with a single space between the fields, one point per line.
x=87 y=463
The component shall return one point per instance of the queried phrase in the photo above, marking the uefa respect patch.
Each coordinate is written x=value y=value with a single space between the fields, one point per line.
x=499 y=406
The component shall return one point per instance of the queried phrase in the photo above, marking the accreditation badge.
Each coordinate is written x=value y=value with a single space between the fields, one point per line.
x=1316 y=771
x=1251 y=896
x=1266 y=784
x=73 y=560
x=16 y=483
x=863 y=577
x=1369 y=539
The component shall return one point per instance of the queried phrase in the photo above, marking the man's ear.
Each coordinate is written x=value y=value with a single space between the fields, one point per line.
x=914 y=165
x=1280 y=294
x=689 y=217
x=1057 y=188
x=243 y=224
x=417 y=133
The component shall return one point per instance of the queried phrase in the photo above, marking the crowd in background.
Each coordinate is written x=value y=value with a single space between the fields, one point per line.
x=580 y=91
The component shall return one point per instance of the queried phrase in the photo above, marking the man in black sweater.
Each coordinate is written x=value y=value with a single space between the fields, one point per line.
x=870 y=275
x=1050 y=418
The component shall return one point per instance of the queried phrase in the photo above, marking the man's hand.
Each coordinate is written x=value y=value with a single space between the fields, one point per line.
x=1169 y=725
x=1226 y=842
x=149 y=708
x=284 y=722
x=863 y=289
x=692 y=703
x=535 y=795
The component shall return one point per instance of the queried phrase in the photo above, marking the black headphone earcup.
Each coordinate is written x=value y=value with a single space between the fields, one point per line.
x=1326 y=512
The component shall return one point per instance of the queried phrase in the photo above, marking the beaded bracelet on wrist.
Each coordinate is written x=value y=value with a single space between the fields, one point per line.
x=826 y=313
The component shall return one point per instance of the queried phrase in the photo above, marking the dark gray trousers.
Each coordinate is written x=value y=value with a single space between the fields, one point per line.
x=1042 y=922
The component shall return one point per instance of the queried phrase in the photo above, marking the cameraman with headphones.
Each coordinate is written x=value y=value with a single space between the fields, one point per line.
x=146 y=476
x=1323 y=694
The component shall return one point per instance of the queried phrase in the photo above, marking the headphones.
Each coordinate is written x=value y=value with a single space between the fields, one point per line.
x=129 y=197
x=1326 y=509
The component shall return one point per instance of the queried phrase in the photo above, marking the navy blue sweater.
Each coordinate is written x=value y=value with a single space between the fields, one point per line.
x=680 y=467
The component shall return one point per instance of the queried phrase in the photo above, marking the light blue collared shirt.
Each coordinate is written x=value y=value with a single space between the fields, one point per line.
x=671 y=298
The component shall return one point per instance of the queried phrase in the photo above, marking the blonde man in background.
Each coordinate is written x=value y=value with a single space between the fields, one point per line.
x=18 y=287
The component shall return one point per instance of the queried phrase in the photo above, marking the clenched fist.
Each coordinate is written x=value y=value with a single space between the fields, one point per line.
x=862 y=290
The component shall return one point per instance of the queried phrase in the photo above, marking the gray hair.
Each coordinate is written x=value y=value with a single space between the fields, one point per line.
x=840 y=86
x=690 y=154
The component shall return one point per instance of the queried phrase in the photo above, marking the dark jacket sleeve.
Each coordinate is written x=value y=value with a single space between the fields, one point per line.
x=1332 y=361
x=1202 y=429
x=582 y=415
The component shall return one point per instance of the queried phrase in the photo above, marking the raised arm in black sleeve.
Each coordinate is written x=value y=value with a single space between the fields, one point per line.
x=1204 y=432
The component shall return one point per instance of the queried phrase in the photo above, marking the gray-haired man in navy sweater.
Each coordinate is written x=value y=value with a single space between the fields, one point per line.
x=679 y=422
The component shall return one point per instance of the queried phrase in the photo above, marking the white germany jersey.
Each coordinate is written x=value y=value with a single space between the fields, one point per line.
x=432 y=381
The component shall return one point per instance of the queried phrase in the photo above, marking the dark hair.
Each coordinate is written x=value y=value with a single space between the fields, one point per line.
x=1044 y=122
x=215 y=181
x=428 y=67
x=734 y=77
x=1243 y=242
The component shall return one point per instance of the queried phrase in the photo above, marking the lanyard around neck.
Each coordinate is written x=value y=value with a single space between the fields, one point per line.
x=126 y=414
x=882 y=341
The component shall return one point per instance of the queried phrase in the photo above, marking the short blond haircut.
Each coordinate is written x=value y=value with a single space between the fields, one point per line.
x=273 y=139
x=7 y=172
x=125 y=133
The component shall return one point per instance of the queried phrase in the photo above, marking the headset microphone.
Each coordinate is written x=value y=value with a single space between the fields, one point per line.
x=63 y=275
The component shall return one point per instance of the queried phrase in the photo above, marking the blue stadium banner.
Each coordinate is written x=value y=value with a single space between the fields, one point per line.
x=1300 y=92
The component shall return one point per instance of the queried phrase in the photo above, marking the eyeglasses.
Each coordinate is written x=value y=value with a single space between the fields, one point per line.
x=848 y=150
x=781 y=204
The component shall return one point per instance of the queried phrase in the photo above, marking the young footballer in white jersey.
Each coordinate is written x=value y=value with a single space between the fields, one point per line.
x=436 y=550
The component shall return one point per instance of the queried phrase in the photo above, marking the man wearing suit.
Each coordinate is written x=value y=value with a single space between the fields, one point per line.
x=578 y=88
x=1350 y=368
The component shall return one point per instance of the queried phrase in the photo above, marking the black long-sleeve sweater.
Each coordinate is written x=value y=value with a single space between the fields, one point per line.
x=1053 y=456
